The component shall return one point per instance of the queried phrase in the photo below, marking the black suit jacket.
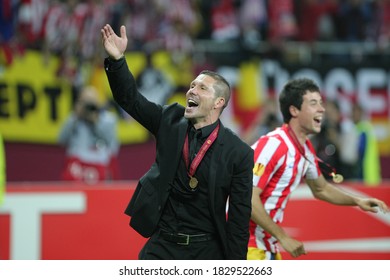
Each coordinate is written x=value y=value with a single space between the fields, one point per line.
x=230 y=177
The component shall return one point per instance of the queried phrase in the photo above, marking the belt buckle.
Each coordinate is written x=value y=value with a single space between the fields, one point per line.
x=187 y=242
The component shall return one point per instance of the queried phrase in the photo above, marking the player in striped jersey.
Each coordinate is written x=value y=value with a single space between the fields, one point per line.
x=283 y=158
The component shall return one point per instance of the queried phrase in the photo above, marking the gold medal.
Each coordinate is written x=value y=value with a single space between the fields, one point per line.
x=193 y=182
x=337 y=178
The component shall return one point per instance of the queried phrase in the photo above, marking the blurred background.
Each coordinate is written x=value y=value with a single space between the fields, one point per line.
x=51 y=50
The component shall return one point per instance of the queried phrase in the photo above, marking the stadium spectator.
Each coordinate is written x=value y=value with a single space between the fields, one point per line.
x=310 y=17
x=353 y=17
x=90 y=137
x=224 y=21
x=142 y=21
x=369 y=168
x=31 y=17
x=282 y=21
x=8 y=31
x=253 y=16
x=380 y=27
x=96 y=14
x=179 y=25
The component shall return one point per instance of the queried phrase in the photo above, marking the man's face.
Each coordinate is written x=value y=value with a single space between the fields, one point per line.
x=312 y=111
x=201 y=100
x=87 y=106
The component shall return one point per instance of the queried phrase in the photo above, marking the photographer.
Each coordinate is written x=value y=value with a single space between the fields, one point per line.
x=90 y=137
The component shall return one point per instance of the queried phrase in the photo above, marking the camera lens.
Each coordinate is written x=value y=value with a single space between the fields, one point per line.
x=91 y=107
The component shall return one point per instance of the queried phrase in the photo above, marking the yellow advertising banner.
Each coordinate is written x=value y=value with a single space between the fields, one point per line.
x=34 y=102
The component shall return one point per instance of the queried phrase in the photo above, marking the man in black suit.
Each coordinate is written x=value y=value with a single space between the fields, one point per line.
x=195 y=201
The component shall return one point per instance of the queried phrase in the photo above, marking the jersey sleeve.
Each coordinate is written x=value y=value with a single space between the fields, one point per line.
x=268 y=153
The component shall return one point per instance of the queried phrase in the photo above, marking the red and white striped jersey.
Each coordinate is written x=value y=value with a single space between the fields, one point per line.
x=278 y=169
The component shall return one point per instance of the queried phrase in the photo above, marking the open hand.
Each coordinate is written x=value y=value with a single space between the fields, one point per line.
x=114 y=45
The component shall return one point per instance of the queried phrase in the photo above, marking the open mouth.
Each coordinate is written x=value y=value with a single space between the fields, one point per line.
x=318 y=120
x=192 y=103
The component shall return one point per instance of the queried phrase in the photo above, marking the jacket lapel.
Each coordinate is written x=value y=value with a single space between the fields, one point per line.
x=175 y=142
x=170 y=168
x=183 y=127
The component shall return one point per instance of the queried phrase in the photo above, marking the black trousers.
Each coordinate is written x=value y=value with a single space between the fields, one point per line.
x=157 y=248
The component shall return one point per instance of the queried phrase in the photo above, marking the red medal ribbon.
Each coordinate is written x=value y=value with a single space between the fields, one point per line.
x=296 y=142
x=199 y=156
x=301 y=150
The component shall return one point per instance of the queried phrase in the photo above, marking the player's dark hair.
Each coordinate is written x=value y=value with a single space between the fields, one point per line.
x=292 y=95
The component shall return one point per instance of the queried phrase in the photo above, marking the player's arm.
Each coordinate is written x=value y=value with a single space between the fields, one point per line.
x=260 y=216
x=328 y=192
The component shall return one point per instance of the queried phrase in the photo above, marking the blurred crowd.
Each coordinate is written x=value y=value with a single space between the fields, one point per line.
x=70 y=27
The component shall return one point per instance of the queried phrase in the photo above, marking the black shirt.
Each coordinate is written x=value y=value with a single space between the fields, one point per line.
x=187 y=211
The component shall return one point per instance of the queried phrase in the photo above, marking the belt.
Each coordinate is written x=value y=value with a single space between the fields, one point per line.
x=185 y=239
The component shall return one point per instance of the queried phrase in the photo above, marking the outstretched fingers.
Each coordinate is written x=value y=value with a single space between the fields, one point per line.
x=123 y=32
x=114 y=45
x=107 y=31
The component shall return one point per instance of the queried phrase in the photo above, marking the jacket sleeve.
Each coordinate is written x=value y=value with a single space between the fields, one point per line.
x=127 y=96
x=239 y=208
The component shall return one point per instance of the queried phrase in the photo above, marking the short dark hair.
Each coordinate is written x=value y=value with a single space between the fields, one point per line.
x=292 y=94
x=222 y=87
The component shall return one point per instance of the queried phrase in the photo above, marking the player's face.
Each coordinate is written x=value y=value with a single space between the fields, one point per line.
x=312 y=113
x=201 y=100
